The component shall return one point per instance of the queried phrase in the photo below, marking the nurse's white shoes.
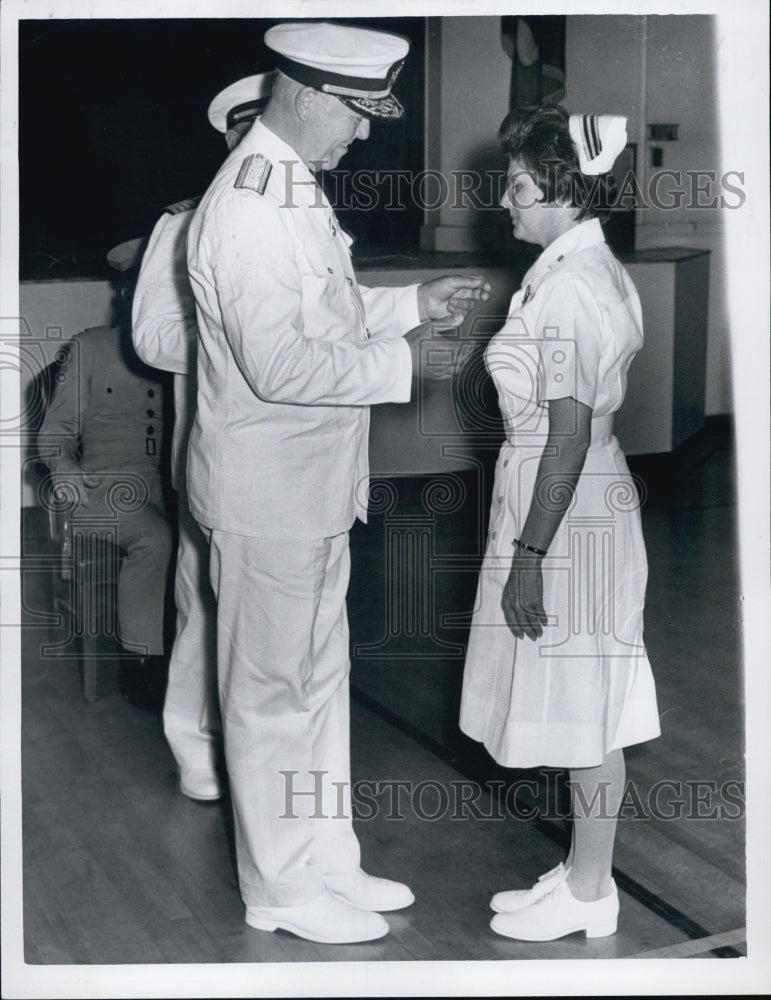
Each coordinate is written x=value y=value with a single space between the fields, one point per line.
x=559 y=913
x=325 y=919
x=515 y=899
x=369 y=892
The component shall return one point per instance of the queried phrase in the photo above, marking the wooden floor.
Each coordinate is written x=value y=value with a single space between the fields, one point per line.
x=119 y=867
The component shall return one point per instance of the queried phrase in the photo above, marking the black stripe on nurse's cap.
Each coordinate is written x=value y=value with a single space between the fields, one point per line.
x=598 y=140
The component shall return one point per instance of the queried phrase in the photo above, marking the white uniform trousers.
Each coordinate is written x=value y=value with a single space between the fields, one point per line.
x=191 y=718
x=283 y=665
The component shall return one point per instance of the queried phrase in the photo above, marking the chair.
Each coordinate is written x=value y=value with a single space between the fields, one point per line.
x=85 y=586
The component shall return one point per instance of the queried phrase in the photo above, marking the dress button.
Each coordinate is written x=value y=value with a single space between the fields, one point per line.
x=151 y=393
x=109 y=389
x=151 y=429
x=151 y=413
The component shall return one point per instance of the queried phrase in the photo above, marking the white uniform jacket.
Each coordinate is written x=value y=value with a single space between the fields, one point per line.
x=291 y=352
x=164 y=327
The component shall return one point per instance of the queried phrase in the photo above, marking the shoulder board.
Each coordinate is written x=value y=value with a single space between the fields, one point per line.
x=254 y=173
x=186 y=205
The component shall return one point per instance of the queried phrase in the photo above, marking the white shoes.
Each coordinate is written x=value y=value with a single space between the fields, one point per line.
x=515 y=899
x=346 y=912
x=558 y=913
x=369 y=892
x=326 y=919
x=200 y=784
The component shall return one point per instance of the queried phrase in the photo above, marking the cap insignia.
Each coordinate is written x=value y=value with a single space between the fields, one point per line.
x=395 y=71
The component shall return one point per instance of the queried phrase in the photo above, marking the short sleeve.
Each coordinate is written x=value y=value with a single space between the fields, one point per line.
x=569 y=334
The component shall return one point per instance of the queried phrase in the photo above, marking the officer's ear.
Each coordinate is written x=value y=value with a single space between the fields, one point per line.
x=305 y=103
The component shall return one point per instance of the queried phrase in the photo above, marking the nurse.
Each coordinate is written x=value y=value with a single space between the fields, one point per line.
x=556 y=673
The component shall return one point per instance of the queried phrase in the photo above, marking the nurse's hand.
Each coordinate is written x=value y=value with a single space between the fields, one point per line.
x=522 y=601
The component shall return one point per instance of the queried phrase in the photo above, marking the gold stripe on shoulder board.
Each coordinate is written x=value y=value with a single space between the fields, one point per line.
x=254 y=173
x=186 y=205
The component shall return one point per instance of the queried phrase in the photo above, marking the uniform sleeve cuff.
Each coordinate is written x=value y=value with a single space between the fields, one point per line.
x=402 y=371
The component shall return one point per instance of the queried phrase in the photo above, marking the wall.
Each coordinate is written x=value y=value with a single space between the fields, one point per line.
x=652 y=69
x=663 y=69
x=464 y=137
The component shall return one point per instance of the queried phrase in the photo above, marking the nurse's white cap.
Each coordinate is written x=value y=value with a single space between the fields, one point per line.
x=598 y=140
x=357 y=65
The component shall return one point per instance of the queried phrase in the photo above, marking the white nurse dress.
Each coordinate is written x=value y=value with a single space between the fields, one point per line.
x=585 y=687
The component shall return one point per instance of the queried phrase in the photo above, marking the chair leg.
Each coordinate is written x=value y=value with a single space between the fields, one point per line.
x=90 y=665
x=97 y=580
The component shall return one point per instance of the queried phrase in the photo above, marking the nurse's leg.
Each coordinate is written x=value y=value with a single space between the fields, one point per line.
x=597 y=793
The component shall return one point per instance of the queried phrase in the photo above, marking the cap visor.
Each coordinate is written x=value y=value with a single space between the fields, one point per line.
x=382 y=109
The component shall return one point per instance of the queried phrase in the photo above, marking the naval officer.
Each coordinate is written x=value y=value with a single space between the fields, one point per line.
x=292 y=352
x=102 y=439
x=165 y=335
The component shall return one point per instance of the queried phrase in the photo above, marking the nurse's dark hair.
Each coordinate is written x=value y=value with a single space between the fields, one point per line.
x=539 y=138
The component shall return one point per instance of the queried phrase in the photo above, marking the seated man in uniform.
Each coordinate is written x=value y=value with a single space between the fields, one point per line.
x=101 y=439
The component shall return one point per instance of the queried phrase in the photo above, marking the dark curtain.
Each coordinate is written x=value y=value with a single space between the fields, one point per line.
x=536 y=47
x=112 y=128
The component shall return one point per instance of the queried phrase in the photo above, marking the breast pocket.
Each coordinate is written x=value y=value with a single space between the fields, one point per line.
x=321 y=261
x=326 y=287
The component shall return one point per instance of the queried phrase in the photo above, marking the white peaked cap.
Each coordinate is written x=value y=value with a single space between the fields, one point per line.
x=242 y=100
x=128 y=254
x=358 y=65
x=598 y=140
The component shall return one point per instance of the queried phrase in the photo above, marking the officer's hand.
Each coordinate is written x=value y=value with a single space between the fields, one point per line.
x=451 y=297
x=436 y=357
